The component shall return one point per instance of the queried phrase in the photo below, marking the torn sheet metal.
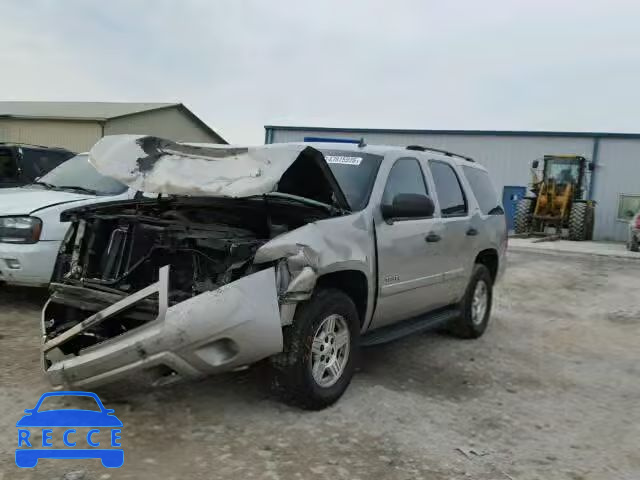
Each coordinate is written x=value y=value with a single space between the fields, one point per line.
x=316 y=249
x=326 y=245
x=151 y=164
x=235 y=325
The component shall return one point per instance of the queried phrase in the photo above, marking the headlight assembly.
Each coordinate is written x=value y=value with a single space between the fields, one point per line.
x=20 y=229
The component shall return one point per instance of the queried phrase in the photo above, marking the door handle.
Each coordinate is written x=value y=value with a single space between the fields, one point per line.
x=472 y=232
x=432 y=237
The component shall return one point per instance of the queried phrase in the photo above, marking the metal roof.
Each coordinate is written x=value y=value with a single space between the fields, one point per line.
x=506 y=133
x=77 y=110
x=91 y=111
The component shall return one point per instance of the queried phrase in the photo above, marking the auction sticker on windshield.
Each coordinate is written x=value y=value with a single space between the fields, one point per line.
x=69 y=433
x=343 y=160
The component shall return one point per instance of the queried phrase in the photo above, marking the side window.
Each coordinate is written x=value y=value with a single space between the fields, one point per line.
x=483 y=191
x=40 y=162
x=8 y=167
x=405 y=177
x=450 y=194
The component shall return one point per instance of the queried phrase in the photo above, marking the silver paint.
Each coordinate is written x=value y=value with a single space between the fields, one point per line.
x=236 y=325
x=242 y=322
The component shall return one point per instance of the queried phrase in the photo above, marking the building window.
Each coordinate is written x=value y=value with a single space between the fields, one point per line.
x=628 y=206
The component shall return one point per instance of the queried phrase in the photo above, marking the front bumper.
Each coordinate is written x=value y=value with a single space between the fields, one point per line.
x=233 y=326
x=29 y=265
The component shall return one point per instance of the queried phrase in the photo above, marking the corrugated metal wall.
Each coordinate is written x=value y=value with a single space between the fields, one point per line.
x=618 y=173
x=76 y=136
x=508 y=158
x=166 y=123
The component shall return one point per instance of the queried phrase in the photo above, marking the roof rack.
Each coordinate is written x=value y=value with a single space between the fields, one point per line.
x=420 y=148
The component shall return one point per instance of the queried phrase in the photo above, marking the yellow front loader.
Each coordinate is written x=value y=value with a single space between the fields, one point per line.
x=557 y=203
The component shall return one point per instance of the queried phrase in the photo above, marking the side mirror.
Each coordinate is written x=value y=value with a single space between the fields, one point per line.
x=535 y=164
x=408 y=205
x=591 y=166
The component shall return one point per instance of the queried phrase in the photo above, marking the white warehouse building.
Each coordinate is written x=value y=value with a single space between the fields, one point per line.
x=614 y=182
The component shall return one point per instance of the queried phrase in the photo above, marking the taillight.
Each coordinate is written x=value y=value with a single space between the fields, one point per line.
x=638 y=222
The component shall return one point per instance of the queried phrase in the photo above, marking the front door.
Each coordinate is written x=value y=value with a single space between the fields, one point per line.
x=410 y=253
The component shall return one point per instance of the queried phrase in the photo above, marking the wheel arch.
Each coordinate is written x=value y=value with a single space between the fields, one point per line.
x=352 y=282
x=490 y=259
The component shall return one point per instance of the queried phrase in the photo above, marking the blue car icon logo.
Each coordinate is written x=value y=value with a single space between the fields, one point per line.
x=35 y=432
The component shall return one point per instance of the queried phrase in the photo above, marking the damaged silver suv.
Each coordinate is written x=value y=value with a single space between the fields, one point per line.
x=295 y=253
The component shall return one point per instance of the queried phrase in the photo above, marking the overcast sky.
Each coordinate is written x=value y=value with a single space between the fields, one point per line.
x=241 y=64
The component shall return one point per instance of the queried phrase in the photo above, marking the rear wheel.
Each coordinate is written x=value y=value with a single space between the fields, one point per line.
x=522 y=220
x=634 y=245
x=475 y=307
x=581 y=222
x=320 y=347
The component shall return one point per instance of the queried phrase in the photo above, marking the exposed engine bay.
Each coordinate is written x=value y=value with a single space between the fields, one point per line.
x=114 y=250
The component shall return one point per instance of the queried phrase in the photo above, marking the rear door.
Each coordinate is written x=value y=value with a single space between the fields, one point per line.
x=410 y=255
x=458 y=232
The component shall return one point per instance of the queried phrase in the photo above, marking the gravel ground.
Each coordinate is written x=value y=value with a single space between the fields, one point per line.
x=552 y=391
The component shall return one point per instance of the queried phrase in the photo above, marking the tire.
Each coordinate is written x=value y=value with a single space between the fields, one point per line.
x=591 y=217
x=293 y=377
x=522 y=220
x=634 y=245
x=468 y=325
x=581 y=222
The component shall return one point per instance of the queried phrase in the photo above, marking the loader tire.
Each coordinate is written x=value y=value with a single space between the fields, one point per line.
x=522 y=220
x=581 y=222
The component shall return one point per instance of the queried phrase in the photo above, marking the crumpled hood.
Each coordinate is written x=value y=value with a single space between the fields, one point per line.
x=26 y=200
x=152 y=164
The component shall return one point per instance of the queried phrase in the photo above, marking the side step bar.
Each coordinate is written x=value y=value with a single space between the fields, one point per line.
x=404 y=328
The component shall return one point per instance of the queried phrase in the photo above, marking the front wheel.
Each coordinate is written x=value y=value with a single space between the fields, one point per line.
x=320 y=347
x=581 y=221
x=475 y=306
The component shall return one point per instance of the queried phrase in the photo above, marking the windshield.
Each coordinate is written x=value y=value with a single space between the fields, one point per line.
x=77 y=173
x=563 y=170
x=355 y=172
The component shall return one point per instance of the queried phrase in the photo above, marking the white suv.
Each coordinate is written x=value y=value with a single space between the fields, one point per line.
x=30 y=226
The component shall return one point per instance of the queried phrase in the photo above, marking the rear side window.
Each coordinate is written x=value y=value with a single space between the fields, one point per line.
x=483 y=190
x=450 y=194
x=8 y=167
x=43 y=161
x=405 y=177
